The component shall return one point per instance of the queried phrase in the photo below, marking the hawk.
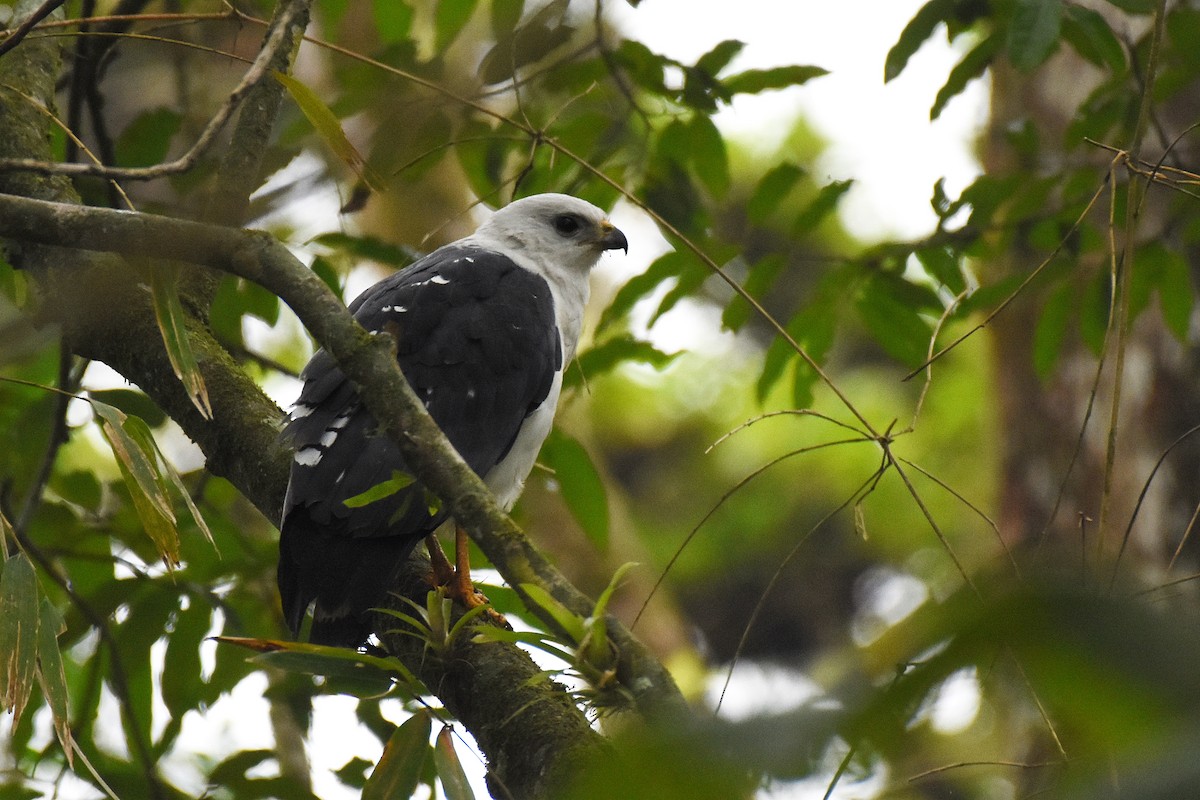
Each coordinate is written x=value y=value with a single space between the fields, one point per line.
x=484 y=328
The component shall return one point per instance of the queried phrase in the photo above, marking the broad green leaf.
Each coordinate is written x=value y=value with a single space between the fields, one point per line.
x=761 y=277
x=642 y=65
x=753 y=81
x=971 y=66
x=398 y=482
x=449 y=769
x=719 y=57
x=613 y=352
x=545 y=32
x=571 y=623
x=449 y=20
x=131 y=401
x=824 y=204
x=147 y=139
x=915 y=33
x=1158 y=268
x=329 y=128
x=1033 y=32
x=172 y=323
x=393 y=20
x=1051 y=329
x=1091 y=37
x=367 y=247
x=886 y=305
x=707 y=155
x=771 y=190
x=943 y=265
x=642 y=285
x=183 y=659
x=18 y=634
x=505 y=16
x=51 y=675
x=399 y=769
x=580 y=484
x=1095 y=310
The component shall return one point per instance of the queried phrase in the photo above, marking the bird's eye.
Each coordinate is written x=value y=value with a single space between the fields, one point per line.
x=567 y=224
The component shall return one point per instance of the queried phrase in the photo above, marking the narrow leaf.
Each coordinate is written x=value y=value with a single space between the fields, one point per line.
x=823 y=205
x=968 y=69
x=505 y=16
x=51 y=675
x=1091 y=37
x=449 y=20
x=1033 y=32
x=147 y=139
x=172 y=323
x=613 y=352
x=772 y=188
x=753 y=81
x=398 y=482
x=329 y=128
x=580 y=484
x=18 y=634
x=1051 y=329
x=393 y=20
x=137 y=461
x=719 y=57
x=449 y=768
x=915 y=33
x=707 y=154
x=571 y=623
x=399 y=769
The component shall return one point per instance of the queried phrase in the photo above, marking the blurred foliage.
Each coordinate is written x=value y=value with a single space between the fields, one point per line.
x=841 y=524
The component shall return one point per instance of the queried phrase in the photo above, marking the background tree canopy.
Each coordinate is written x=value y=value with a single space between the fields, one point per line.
x=935 y=495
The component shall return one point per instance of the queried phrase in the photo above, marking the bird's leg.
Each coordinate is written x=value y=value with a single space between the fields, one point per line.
x=461 y=588
x=443 y=572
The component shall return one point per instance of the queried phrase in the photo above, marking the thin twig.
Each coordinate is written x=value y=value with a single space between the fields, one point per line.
x=14 y=38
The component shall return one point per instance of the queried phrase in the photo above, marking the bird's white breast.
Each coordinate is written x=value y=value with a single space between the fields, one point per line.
x=507 y=479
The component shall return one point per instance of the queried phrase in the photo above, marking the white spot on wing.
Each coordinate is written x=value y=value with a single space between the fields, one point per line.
x=469 y=259
x=308 y=457
x=439 y=280
x=328 y=438
x=397 y=309
x=339 y=423
x=300 y=411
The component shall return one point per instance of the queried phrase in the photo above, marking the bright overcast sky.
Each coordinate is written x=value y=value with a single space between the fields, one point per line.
x=879 y=135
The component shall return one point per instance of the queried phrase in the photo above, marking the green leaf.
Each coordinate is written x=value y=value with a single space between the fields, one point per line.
x=449 y=768
x=172 y=323
x=890 y=306
x=1166 y=271
x=137 y=460
x=399 y=769
x=915 y=33
x=707 y=154
x=824 y=204
x=771 y=190
x=612 y=353
x=327 y=126
x=569 y=622
x=943 y=265
x=972 y=66
x=1091 y=37
x=719 y=57
x=449 y=20
x=1135 y=6
x=393 y=20
x=398 y=482
x=753 y=81
x=1033 y=32
x=641 y=286
x=580 y=484
x=762 y=276
x=1051 y=329
x=147 y=139
x=182 y=660
x=51 y=675
x=18 y=633
x=505 y=16
x=544 y=33
x=131 y=401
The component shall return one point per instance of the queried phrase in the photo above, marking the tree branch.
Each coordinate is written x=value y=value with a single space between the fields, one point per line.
x=368 y=361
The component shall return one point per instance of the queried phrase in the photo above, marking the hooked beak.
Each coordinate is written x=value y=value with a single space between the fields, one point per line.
x=611 y=238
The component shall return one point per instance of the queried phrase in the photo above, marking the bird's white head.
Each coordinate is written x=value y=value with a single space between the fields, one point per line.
x=559 y=232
